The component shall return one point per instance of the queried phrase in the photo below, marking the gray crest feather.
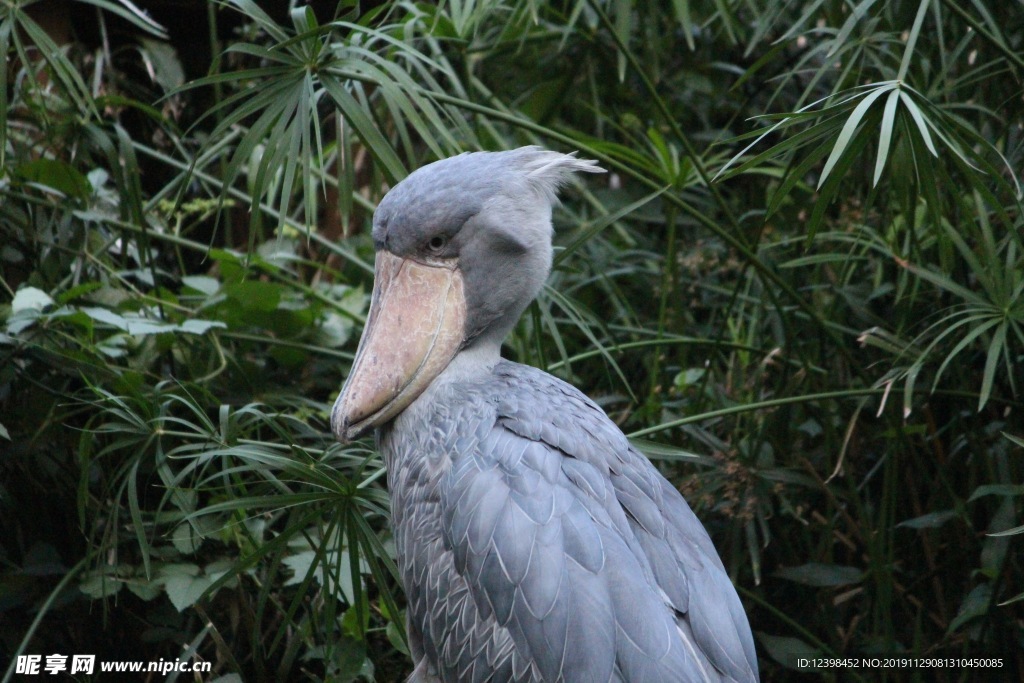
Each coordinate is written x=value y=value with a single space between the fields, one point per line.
x=547 y=171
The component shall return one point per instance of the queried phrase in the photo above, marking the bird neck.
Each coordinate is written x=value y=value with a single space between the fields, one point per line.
x=471 y=362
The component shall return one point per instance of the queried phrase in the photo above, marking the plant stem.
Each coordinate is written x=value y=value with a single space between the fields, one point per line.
x=668 y=283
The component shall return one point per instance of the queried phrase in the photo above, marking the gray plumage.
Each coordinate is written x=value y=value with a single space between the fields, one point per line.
x=535 y=543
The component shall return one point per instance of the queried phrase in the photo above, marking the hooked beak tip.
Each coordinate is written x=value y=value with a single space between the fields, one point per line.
x=341 y=425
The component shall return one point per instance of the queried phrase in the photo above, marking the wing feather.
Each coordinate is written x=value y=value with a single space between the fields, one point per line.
x=577 y=549
x=667 y=538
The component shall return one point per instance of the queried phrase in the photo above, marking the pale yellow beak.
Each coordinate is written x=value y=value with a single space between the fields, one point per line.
x=414 y=329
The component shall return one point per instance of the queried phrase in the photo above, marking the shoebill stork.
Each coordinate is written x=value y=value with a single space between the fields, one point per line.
x=534 y=542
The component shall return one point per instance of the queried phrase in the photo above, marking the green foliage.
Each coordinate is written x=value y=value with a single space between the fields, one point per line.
x=800 y=290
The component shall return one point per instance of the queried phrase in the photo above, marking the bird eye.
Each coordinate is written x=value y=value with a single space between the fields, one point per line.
x=436 y=243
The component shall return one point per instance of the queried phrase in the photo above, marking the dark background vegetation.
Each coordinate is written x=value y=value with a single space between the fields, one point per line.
x=800 y=288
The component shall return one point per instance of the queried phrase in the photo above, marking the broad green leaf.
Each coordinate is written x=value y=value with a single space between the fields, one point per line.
x=682 y=10
x=885 y=134
x=850 y=127
x=659 y=451
x=128 y=10
x=135 y=324
x=919 y=121
x=144 y=589
x=821 y=575
x=975 y=605
x=186 y=539
x=255 y=295
x=102 y=315
x=787 y=650
x=99 y=584
x=996 y=348
x=1016 y=598
x=202 y=283
x=184 y=584
x=166 y=65
x=57 y=175
x=932 y=520
x=196 y=326
x=30 y=298
x=394 y=635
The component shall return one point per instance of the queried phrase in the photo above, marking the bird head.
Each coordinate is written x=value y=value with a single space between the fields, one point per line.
x=463 y=246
